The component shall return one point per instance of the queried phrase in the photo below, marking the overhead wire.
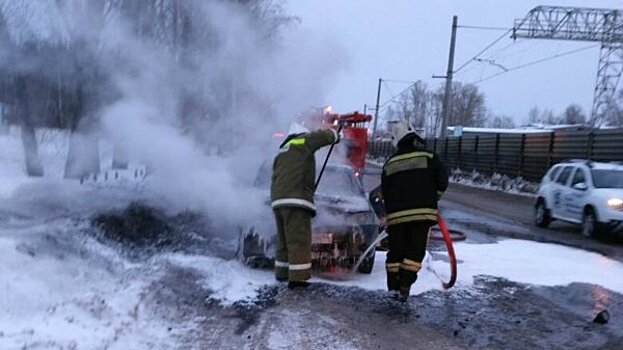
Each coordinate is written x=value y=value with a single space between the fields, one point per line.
x=480 y=64
x=397 y=95
x=484 y=27
x=387 y=87
x=400 y=81
x=532 y=63
x=483 y=51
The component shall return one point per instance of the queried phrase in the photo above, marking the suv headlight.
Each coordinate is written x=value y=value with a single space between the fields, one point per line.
x=615 y=203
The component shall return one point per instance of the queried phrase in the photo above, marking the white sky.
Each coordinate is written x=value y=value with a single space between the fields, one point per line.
x=409 y=40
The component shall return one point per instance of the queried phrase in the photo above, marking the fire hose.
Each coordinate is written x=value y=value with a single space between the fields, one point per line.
x=446 y=237
x=445 y=234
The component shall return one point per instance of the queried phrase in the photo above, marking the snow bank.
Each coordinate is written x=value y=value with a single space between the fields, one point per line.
x=63 y=300
x=229 y=280
x=516 y=260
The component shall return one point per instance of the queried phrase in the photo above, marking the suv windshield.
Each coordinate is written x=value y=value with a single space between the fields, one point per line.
x=607 y=178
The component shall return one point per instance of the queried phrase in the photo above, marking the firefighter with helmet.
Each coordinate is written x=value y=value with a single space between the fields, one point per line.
x=292 y=201
x=412 y=182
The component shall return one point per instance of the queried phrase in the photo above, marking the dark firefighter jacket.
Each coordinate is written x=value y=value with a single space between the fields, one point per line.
x=294 y=169
x=413 y=179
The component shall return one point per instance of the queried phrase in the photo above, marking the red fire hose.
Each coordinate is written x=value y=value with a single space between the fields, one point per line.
x=445 y=234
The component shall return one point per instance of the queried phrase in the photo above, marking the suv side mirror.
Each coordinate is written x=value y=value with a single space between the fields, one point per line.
x=580 y=186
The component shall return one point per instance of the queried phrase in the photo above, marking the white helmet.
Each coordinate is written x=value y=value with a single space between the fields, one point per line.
x=399 y=129
x=296 y=128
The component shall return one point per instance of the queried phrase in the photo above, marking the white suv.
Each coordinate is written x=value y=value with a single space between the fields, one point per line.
x=582 y=192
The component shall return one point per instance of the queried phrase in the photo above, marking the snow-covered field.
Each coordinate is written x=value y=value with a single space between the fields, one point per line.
x=62 y=288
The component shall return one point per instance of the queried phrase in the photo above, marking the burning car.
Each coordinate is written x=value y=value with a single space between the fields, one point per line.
x=344 y=227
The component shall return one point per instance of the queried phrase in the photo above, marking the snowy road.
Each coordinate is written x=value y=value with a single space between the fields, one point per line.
x=63 y=287
x=66 y=285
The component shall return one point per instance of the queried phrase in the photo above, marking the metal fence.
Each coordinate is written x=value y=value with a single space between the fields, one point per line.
x=525 y=155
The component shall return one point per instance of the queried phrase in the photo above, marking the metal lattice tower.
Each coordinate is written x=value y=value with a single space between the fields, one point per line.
x=583 y=24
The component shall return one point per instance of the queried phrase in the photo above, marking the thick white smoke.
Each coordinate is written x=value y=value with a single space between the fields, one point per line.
x=270 y=84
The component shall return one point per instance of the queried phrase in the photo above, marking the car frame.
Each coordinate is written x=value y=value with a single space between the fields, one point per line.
x=341 y=232
x=568 y=192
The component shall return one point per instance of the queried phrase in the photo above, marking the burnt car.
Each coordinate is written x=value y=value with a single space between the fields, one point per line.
x=344 y=226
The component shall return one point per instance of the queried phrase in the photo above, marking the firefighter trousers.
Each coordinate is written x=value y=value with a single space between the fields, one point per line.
x=293 y=255
x=407 y=247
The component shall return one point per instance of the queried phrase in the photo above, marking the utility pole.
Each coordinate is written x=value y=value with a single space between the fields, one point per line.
x=365 y=108
x=376 y=110
x=446 y=97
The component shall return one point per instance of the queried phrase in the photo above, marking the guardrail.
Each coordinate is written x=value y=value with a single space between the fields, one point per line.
x=526 y=155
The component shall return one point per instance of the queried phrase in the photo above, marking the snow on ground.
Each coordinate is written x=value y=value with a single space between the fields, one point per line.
x=516 y=260
x=60 y=288
x=228 y=279
x=54 y=298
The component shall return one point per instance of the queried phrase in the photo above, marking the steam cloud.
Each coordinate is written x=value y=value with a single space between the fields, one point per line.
x=250 y=85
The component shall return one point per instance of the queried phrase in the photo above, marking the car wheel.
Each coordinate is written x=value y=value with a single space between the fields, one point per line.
x=542 y=217
x=589 y=223
x=366 y=265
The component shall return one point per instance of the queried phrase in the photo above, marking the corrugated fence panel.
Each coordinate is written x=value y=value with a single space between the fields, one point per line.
x=509 y=154
x=536 y=159
x=528 y=155
x=380 y=149
x=452 y=154
x=570 y=145
x=468 y=153
x=607 y=145
x=486 y=153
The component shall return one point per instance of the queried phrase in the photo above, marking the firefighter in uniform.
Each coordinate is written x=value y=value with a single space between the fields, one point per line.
x=412 y=182
x=292 y=201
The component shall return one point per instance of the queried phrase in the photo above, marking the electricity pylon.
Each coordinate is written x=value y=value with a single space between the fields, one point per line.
x=583 y=24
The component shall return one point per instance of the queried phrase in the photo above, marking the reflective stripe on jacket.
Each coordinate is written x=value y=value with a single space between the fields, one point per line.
x=413 y=179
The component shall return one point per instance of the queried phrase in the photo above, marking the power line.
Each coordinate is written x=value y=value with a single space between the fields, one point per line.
x=400 y=81
x=483 y=50
x=397 y=95
x=387 y=87
x=499 y=52
x=536 y=62
x=484 y=28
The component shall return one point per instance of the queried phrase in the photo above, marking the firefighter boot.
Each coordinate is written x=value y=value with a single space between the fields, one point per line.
x=393 y=283
x=298 y=284
x=404 y=294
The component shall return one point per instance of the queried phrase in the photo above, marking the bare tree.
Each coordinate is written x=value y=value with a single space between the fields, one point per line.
x=545 y=116
x=573 y=114
x=422 y=107
x=69 y=68
x=501 y=122
x=468 y=106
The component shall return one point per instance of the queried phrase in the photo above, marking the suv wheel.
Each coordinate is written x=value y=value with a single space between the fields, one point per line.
x=542 y=217
x=589 y=222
